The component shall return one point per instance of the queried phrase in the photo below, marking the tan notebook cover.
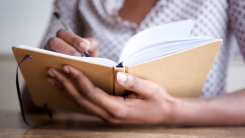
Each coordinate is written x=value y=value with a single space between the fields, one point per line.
x=182 y=74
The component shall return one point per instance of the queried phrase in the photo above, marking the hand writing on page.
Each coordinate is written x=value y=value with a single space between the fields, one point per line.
x=69 y=43
x=149 y=104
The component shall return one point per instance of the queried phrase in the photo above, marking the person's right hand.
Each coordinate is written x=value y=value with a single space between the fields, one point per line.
x=69 y=43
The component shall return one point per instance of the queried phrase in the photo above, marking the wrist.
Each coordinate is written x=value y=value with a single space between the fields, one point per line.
x=176 y=112
x=179 y=112
x=186 y=112
x=171 y=110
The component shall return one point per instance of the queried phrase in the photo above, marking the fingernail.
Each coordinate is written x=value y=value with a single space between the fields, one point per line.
x=121 y=77
x=50 y=81
x=87 y=41
x=84 y=46
x=51 y=73
x=66 y=69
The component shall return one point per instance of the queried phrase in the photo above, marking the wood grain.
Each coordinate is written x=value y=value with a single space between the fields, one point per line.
x=77 y=125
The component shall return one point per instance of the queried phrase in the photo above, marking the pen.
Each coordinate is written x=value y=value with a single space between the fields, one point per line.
x=57 y=15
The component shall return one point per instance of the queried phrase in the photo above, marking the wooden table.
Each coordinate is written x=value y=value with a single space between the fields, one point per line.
x=76 y=125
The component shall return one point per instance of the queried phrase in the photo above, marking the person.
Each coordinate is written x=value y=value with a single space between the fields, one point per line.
x=102 y=27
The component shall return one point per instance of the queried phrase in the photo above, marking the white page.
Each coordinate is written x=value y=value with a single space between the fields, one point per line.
x=149 y=44
x=163 y=50
x=165 y=43
x=166 y=31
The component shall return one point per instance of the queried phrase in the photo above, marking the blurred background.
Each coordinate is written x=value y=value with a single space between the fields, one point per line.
x=21 y=22
x=26 y=21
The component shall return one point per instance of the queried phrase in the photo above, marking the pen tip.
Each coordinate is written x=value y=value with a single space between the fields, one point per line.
x=57 y=15
x=86 y=54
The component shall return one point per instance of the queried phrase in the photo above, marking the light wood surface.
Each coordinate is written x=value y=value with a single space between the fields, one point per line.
x=76 y=125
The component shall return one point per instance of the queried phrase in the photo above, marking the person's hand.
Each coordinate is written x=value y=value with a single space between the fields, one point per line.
x=149 y=104
x=71 y=44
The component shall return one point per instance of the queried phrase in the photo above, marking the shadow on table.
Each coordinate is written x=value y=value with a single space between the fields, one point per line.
x=78 y=125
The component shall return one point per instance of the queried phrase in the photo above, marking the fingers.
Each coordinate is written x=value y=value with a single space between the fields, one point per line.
x=88 y=96
x=133 y=109
x=144 y=88
x=69 y=43
x=58 y=45
x=76 y=41
x=54 y=82
x=68 y=89
x=95 y=94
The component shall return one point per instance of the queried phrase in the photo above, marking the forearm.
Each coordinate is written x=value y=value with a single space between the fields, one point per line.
x=226 y=109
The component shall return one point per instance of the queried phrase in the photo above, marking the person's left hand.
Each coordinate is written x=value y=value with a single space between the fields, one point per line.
x=149 y=104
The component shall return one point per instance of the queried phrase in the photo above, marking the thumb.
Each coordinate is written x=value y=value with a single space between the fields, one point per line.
x=144 y=88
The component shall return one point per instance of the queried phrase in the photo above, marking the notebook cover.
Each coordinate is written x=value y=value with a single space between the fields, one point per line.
x=182 y=74
x=35 y=74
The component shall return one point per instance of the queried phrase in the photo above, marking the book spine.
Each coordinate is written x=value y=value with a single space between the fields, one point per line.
x=118 y=90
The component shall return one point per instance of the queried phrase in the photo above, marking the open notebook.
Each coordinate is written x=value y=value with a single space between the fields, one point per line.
x=135 y=55
x=164 y=54
x=150 y=44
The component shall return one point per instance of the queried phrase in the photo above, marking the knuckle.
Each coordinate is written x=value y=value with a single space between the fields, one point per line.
x=119 y=114
x=155 y=91
x=74 y=52
x=52 y=43
x=78 y=76
x=89 y=93
x=60 y=32
x=134 y=83
x=63 y=80
x=73 y=40
x=78 y=101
